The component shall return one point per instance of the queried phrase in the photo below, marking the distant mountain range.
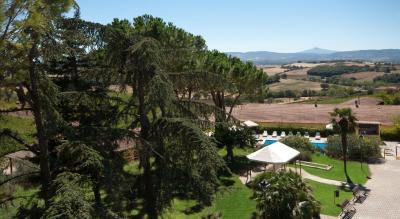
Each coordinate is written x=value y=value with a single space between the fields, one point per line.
x=318 y=54
x=317 y=50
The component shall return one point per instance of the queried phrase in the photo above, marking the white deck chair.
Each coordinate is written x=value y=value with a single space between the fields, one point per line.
x=283 y=134
x=317 y=136
x=274 y=134
x=265 y=133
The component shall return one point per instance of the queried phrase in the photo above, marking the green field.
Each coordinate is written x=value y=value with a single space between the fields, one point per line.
x=356 y=174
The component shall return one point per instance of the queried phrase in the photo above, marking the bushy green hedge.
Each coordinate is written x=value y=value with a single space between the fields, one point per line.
x=390 y=134
x=369 y=146
x=311 y=131
x=301 y=144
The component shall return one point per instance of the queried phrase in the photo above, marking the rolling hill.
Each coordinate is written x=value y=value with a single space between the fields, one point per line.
x=317 y=54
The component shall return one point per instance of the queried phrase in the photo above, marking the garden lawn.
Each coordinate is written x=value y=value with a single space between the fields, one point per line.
x=23 y=126
x=237 y=152
x=354 y=170
x=233 y=201
x=324 y=193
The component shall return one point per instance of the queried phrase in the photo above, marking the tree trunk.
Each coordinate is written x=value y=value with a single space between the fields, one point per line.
x=344 y=151
x=37 y=113
x=149 y=196
x=96 y=191
x=229 y=152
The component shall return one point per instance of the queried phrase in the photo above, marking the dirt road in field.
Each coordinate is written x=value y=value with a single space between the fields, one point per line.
x=308 y=113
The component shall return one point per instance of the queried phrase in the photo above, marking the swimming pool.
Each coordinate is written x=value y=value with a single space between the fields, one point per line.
x=317 y=144
x=320 y=145
x=268 y=142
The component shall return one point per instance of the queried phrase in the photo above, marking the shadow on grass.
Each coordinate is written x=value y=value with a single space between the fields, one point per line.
x=194 y=209
x=240 y=164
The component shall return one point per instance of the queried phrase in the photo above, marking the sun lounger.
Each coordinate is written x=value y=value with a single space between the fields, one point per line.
x=265 y=133
x=306 y=135
x=290 y=133
x=347 y=207
x=283 y=134
x=317 y=136
x=298 y=134
x=358 y=193
x=274 y=134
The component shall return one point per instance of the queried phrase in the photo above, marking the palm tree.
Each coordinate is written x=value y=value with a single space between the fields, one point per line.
x=344 y=122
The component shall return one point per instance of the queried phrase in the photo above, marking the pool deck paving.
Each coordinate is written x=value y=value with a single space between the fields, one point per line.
x=384 y=198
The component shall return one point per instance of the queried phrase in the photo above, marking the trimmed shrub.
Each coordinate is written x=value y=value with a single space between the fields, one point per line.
x=390 y=134
x=301 y=144
x=369 y=146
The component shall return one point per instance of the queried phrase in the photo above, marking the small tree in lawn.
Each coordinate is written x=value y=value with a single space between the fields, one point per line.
x=284 y=195
x=344 y=122
x=230 y=136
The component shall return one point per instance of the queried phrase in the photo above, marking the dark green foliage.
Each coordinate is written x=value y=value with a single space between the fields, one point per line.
x=273 y=79
x=324 y=86
x=365 y=148
x=390 y=98
x=390 y=134
x=301 y=144
x=69 y=200
x=332 y=70
x=287 y=196
x=230 y=136
x=388 y=78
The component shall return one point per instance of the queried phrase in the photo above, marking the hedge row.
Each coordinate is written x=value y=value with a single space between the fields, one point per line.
x=390 y=134
x=311 y=131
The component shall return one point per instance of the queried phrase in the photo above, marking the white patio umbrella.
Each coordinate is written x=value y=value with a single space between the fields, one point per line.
x=276 y=153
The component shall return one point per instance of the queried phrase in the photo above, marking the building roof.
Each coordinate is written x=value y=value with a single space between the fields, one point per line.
x=276 y=153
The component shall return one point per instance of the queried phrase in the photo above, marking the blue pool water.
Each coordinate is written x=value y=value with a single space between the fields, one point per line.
x=319 y=145
x=268 y=142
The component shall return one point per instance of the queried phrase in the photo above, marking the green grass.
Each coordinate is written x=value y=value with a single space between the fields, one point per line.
x=237 y=152
x=24 y=126
x=324 y=193
x=6 y=105
x=357 y=174
x=232 y=201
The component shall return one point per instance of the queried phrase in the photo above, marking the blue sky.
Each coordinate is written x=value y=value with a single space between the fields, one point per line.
x=272 y=25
